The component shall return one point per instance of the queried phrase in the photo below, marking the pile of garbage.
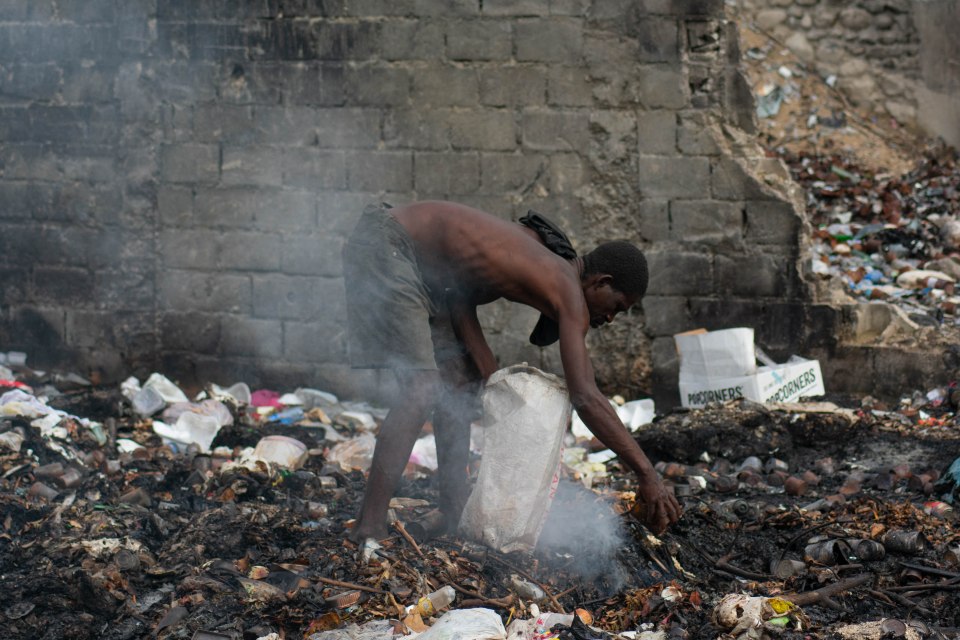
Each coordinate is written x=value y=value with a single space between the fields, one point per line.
x=138 y=511
x=888 y=238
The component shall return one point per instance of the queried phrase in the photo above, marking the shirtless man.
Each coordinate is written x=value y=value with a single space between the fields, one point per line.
x=414 y=277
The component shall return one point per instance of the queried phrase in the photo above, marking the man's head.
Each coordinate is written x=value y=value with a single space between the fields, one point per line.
x=614 y=278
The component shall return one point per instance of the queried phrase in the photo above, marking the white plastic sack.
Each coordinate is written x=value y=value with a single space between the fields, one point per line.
x=466 y=624
x=525 y=414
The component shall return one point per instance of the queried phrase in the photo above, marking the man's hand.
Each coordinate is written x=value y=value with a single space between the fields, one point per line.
x=656 y=507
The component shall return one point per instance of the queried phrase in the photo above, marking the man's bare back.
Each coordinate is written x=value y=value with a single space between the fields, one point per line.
x=482 y=258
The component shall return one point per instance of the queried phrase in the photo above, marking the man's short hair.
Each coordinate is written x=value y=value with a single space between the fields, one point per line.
x=622 y=260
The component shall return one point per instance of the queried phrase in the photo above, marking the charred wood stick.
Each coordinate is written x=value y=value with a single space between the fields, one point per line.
x=723 y=564
x=945 y=586
x=350 y=585
x=823 y=594
x=502 y=603
x=902 y=601
x=406 y=536
x=931 y=570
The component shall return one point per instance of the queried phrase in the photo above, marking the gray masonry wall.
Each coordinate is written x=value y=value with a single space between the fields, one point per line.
x=938 y=96
x=177 y=177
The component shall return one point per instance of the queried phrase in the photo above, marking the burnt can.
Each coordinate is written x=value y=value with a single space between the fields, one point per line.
x=908 y=542
x=866 y=550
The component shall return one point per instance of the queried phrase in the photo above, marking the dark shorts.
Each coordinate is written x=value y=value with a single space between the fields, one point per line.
x=394 y=321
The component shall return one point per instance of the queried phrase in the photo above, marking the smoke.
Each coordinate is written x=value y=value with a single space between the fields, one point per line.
x=583 y=534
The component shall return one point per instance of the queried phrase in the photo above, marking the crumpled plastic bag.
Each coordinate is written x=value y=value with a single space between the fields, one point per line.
x=354 y=454
x=466 y=624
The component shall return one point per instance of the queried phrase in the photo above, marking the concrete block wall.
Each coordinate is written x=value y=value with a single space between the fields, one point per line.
x=179 y=175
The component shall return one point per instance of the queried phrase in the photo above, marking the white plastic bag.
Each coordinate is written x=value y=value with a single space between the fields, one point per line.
x=466 y=624
x=525 y=414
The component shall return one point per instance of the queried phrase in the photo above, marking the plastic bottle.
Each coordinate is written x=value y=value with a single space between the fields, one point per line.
x=430 y=604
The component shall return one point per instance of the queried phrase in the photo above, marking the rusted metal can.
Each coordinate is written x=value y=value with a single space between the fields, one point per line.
x=828 y=552
x=909 y=542
x=789 y=568
x=794 y=486
x=866 y=550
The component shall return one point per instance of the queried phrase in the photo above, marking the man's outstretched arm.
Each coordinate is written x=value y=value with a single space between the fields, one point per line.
x=661 y=508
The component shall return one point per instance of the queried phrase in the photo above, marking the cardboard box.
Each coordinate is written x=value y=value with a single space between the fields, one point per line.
x=718 y=366
x=786 y=383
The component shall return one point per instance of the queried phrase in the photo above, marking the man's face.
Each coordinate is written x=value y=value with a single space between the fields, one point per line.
x=604 y=303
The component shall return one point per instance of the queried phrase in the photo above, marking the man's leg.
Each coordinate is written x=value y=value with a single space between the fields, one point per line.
x=398 y=433
x=451 y=427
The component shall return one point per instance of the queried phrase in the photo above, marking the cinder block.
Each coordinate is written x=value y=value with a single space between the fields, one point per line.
x=487 y=130
x=127 y=289
x=249 y=251
x=658 y=39
x=62 y=285
x=549 y=40
x=657 y=132
x=312 y=168
x=755 y=276
x=378 y=8
x=513 y=86
x=446 y=87
x=655 y=220
x=288 y=126
x=252 y=165
x=445 y=174
x=772 y=222
x=515 y=8
x=730 y=181
x=412 y=39
x=679 y=273
x=380 y=170
x=416 y=129
x=194 y=332
x=707 y=222
x=445 y=8
x=674 y=177
x=569 y=7
x=189 y=249
x=35 y=329
x=243 y=336
x=29 y=81
x=693 y=136
x=287 y=297
x=348 y=128
x=682 y=7
x=662 y=86
x=14 y=282
x=387 y=86
x=312 y=255
x=198 y=291
x=473 y=40
x=569 y=87
x=566 y=173
x=86 y=84
x=315 y=341
x=233 y=207
x=310 y=83
x=194 y=163
x=287 y=209
x=666 y=315
x=556 y=131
